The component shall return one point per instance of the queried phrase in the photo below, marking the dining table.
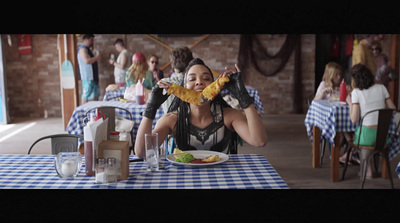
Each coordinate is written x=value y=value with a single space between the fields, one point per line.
x=240 y=171
x=76 y=123
x=327 y=118
x=113 y=96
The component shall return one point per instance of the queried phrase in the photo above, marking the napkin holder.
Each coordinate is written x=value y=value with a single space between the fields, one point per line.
x=118 y=150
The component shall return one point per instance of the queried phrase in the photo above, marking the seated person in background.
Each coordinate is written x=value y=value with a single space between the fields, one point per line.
x=382 y=65
x=210 y=126
x=180 y=58
x=139 y=71
x=157 y=73
x=333 y=75
x=366 y=96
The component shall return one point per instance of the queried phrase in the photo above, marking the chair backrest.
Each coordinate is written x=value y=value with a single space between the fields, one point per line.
x=309 y=99
x=384 y=118
x=109 y=112
x=60 y=143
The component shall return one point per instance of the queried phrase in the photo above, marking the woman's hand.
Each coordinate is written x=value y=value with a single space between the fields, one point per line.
x=156 y=99
x=164 y=85
x=229 y=71
x=236 y=86
x=328 y=90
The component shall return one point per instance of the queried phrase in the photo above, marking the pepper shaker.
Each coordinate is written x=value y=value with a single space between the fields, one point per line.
x=111 y=170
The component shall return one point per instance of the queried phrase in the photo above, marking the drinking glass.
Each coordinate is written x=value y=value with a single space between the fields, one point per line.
x=151 y=147
x=68 y=164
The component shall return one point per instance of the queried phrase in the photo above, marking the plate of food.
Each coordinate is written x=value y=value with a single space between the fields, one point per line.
x=197 y=157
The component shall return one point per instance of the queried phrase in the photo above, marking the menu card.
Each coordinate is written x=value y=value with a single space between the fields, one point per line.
x=98 y=129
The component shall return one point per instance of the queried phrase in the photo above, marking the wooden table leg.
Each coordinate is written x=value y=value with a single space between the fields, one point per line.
x=316 y=146
x=335 y=152
x=385 y=173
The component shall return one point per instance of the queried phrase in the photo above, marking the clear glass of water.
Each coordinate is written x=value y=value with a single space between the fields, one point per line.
x=151 y=147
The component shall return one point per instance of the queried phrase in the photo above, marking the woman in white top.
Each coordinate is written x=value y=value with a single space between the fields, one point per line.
x=332 y=76
x=122 y=63
x=366 y=96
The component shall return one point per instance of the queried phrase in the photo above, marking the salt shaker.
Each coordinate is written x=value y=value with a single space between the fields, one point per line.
x=111 y=170
x=101 y=176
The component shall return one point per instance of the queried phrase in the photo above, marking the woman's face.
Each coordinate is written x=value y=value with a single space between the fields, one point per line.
x=198 y=78
x=375 y=50
x=153 y=62
x=337 y=80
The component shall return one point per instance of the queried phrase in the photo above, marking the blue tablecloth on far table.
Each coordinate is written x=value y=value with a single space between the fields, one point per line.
x=113 y=96
x=335 y=117
x=76 y=123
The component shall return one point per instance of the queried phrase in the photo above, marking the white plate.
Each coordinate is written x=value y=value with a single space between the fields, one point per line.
x=200 y=154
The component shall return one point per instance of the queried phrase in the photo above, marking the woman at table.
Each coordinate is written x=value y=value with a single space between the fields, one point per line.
x=139 y=70
x=157 y=73
x=366 y=96
x=211 y=126
x=333 y=75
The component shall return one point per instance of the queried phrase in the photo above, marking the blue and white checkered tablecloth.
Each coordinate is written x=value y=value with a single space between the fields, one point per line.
x=76 y=124
x=241 y=171
x=113 y=96
x=332 y=118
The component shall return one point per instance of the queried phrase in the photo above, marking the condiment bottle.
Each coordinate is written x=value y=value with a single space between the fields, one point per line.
x=111 y=170
x=101 y=176
x=88 y=144
x=114 y=136
x=343 y=91
x=139 y=90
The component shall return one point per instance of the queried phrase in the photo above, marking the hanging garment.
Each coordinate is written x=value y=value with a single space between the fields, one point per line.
x=24 y=44
x=349 y=45
x=335 y=47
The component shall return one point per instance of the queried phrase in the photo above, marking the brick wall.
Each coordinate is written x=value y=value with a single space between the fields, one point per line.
x=219 y=51
x=34 y=80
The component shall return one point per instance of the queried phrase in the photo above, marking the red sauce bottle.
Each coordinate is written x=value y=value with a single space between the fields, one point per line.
x=343 y=91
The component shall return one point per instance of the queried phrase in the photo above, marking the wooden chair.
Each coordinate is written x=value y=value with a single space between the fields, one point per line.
x=60 y=143
x=380 y=148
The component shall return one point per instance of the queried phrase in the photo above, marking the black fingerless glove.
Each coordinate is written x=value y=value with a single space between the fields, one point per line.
x=237 y=88
x=156 y=98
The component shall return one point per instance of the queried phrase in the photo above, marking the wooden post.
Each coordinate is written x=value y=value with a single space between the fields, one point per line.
x=394 y=61
x=69 y=97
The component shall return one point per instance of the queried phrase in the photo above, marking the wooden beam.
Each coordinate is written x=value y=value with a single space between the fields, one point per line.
x=394 y=61
x=215 y=73
x=158 y=41
x=69 y=97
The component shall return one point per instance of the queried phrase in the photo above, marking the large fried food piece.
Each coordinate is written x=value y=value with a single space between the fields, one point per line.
x=188 y=95
x=196 y=97
x=212 y=90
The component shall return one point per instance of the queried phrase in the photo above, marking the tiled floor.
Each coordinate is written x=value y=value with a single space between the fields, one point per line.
x=288 y=150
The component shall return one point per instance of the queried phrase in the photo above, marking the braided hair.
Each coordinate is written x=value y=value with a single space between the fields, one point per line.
x=183 y=111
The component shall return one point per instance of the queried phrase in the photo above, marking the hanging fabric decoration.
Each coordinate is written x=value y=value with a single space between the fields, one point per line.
x=349 y=45
x=335 y=47
x=24 y=44
x=252 y=51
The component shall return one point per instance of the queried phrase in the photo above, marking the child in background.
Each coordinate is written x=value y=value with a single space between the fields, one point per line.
x=366 y=96
x=139 y=71
x=332 y=77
